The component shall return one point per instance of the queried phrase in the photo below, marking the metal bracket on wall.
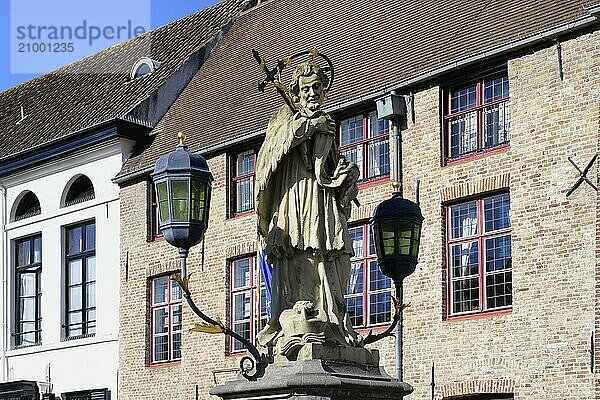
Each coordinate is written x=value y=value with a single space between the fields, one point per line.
x=582 y=175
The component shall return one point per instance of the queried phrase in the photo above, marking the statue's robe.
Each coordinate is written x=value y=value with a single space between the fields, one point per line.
x=299 y=190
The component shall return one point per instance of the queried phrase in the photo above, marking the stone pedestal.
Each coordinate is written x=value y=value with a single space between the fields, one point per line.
x=321 y=372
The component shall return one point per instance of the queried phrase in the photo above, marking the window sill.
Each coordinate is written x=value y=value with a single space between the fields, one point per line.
x=375 y=328
x=164 y=364
x=27 y=346
x=79 y=337
x=373 y=182
x=156 y=239
x=477 y=155
x=477 y=315
x=241 y=215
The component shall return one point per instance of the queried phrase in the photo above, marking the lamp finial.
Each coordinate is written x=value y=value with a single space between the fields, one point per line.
x=181 y=137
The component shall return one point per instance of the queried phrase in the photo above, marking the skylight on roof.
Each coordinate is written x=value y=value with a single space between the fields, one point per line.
x=142 y=67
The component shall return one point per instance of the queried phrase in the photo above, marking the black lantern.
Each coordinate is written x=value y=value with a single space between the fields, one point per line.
x=396 y=225
x=183 y=185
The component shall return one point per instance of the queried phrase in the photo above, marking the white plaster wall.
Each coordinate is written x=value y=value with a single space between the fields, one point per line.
x=82 y=364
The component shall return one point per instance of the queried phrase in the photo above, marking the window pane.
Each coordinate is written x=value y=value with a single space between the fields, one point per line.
x=355 y=280
x=197 y=200
x=354 y=305
x=354 y=154
x=496 y=124
x=498 y=253
x=356 y=236
x=389 y=237
x=27 y=284
x=74 y=321
x=75 y=298
x=377 y=280
x=161 y=348
x=241 y=273
x=176 y=346
x=245 y=163
x=163 y=201
x=90 y=269
x=495 y=89
x=160 y=289
x=37 y=250
x=405 y=232
x=465 y=295
x=27 y=308
x=176 y=312
x=499 y=289
x=176 y=291
x=90 y=236
x=180 y=199
x=90 y=295
x=74 y=270
x=90 y=315
x=161 y=320
x=377 y=127
x=463 y=99
x=497 y=212
x=465 y=259
x=264 y=306
x=463 y=134
x=380 y=307
x=351 y=130
x=463 y=219
x=244 y=194
x=74 y=240
x=242 y=329
x=23 y=253
x=371 y=242
x=241 y=306
x=378 y=152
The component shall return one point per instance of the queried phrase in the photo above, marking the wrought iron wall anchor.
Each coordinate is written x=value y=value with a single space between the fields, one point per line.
x=583 y=175
x=251 y=368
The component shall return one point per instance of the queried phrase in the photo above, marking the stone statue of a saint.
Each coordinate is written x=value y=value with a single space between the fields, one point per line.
x=303 y=200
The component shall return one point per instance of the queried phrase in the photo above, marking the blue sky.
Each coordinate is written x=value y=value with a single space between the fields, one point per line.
x=159 y=13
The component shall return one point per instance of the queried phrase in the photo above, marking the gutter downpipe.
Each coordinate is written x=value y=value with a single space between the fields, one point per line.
x=4 y=297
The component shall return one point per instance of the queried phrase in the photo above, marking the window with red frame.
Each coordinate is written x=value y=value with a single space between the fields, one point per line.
x=480 y=255
x=477 y=116
x=153 y=227
x=242 y=182
x=368 y=292
x=166 y=323
x=246 y=301
x=364 y=140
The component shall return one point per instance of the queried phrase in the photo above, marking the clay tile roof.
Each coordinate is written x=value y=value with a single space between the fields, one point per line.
x=97 y=88
x=372 y=43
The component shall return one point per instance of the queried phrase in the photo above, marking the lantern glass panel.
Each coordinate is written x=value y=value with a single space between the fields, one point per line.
x=180 y=191
x=163 y=201
x=198 y=200
x=416 y=239
x=404 y=235
x=389 y=239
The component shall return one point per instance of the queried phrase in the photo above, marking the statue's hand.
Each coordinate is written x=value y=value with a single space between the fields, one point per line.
x=323 y=124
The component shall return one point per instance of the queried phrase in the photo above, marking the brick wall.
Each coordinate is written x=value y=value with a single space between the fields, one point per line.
x=539 y=350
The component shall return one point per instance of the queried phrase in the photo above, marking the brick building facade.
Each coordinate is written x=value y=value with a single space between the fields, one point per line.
x=479 y=324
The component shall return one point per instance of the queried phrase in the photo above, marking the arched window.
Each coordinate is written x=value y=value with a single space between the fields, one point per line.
x=142 y=67
x=28 y=206
x=80 y=190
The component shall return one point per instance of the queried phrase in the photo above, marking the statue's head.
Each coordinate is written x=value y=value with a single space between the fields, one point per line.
x=308 y=85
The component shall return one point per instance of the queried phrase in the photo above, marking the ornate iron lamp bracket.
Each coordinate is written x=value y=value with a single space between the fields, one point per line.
x=251 y=368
